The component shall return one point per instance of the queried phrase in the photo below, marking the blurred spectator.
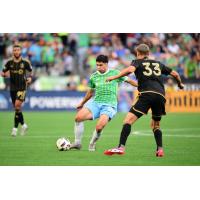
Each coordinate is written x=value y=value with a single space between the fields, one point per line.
x=34 y=53
x=83 y=86
x=48 y=54
x=68 y=63
x=191 y=67
x=170 y=87
x=63 y=54
x=113 y=61
x=72 y=84
x=125 y=101
x=173 y=47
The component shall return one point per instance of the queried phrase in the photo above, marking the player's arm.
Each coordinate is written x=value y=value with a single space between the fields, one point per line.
x=88 y=96
x=124 y=72
x=132 y=82
x=168 y=71
x=29 y=77
x=177 y=78
x=5 y=70
x=29 y=73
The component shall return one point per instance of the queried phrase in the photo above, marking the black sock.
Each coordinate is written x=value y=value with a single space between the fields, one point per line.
x=16 y=119
x=158 y=137
x=124 y=134
x=21 y=118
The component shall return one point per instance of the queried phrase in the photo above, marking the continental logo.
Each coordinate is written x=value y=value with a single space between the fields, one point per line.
x=183 y=101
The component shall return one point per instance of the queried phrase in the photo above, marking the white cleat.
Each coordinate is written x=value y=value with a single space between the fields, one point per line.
x=14 y=132
x=24 y=129
x=92 y=147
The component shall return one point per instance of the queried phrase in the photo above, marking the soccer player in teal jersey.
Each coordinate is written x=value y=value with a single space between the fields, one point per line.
x=102 y=106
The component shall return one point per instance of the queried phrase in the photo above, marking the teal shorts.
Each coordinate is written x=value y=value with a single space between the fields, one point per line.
x=98 y=109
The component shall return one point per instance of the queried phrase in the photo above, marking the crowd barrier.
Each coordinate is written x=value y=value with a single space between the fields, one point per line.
x=179 y=101
x=183 y=101
x=44 y=101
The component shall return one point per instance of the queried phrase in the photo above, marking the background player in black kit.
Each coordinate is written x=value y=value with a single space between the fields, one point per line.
x=151 y=95
x=20 y=72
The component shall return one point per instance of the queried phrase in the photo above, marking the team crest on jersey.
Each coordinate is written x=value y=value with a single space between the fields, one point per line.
x=22 y=65
x=20 y=71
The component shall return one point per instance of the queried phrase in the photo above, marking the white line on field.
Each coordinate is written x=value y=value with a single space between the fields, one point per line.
x=165 y=135
x=137 y=133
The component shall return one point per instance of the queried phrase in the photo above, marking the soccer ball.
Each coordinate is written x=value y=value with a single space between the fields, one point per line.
x=63 y=144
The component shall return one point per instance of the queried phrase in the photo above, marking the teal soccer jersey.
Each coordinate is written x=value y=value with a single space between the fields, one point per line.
x=105 y=92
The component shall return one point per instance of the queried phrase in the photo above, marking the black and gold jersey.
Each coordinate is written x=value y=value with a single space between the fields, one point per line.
x=18 y=71
x=149 y=75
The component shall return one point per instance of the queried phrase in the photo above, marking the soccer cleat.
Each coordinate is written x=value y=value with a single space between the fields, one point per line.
x=92 y=147
x=160 y=153
x=14 y=132
x=75 y=146
x=24 y=128
x=118 y=150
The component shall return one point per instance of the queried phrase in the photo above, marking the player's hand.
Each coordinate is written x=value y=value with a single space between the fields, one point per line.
x=79 y=106
x=109 y=79
x=3 y=74
x=180 y=85
x=28 y=80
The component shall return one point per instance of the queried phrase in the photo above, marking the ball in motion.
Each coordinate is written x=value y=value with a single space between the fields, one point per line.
x=63 y=144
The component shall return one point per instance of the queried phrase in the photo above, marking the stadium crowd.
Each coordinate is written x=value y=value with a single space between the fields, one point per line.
x=64 y=54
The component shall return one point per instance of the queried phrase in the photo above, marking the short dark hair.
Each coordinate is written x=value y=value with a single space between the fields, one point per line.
x=102 y=58
x=17 y=46
x=143 y=49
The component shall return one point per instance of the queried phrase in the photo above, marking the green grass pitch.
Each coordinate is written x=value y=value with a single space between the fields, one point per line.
x=181 y=137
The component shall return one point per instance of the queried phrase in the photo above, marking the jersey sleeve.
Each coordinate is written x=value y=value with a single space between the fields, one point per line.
x=28 y=66
x=165 y=70
x=91 y=83
x=6 y=67
x=121 y=79
x=135 y=63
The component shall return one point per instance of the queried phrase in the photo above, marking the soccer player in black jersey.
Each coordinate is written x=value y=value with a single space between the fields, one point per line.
x=151 y=95
x=20 y=72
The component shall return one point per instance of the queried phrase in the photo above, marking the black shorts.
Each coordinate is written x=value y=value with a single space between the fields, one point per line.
x=17 y=95
x=149 y=100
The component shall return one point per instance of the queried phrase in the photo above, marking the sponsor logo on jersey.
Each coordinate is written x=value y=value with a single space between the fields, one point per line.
x=21 y=71
x=22 y=65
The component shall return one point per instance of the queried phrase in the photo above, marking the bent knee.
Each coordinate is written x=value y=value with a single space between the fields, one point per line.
x=156 y=125
x=78 y=118
x=128 y=121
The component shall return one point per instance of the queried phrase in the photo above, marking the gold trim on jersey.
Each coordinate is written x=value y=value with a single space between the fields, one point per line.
x=138 y=111
x=153 y=92
x=154 y=129
x=17 y=60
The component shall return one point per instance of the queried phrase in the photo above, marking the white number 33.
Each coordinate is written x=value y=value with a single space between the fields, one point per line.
x=148 y=71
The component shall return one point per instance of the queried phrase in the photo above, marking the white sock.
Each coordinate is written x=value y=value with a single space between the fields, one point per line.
x=78 y=131
x=95 y=137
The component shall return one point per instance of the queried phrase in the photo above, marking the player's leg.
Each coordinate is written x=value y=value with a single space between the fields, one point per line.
x=137 y=110
x=82 y=115
x=158 y=109
x=106 y=114
x=130 y=119
x=155 y=125
x=20 y=98
x=103 y=120
x=16 y=117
